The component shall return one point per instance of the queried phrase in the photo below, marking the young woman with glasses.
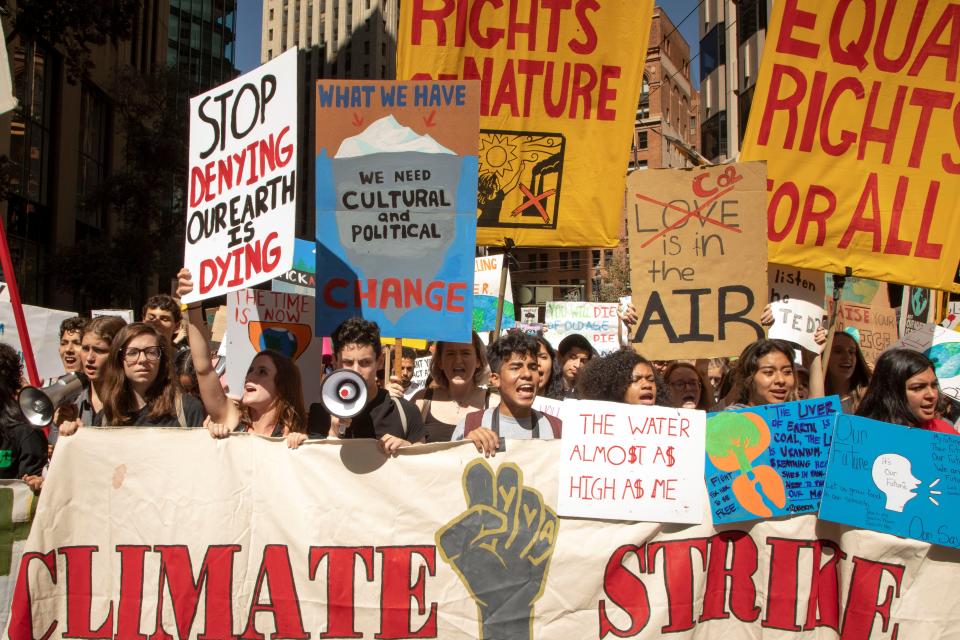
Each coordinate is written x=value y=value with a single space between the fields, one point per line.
x=140 y=388
x=687 y=388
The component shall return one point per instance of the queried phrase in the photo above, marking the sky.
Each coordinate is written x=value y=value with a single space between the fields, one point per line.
x=250 y=16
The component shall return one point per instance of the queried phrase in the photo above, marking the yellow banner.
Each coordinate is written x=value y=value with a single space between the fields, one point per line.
x=560 y=85
x=857 y=113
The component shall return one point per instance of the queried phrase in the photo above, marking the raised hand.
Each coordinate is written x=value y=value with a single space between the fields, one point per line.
x=501 y=548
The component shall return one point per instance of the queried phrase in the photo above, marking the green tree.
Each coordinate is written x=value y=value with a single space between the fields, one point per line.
x=74 y=27
x=615 y=279
x=144 y=196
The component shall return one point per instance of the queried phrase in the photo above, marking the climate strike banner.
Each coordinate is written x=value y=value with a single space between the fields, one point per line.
x=476 y=551
x=242 y=200
x=857 y=113
x=560 y=82
x=698 y=259
x=396 y=190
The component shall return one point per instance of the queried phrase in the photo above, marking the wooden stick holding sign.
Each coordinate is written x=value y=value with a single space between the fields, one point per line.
x=838 y=282
x=507 y=248
x=398 y=357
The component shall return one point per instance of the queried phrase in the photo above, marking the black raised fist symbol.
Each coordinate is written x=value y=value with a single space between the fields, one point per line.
x=501 y=548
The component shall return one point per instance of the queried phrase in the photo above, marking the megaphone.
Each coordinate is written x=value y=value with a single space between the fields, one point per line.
x=38 y=405
x=343 y=393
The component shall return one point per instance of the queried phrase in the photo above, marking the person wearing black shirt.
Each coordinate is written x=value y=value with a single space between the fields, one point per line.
x=23 y=449
x=356 y=345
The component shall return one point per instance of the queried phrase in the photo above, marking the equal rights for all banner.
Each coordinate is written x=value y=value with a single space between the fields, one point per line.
x=178 y=535
x=857 y=113
x=560 y=82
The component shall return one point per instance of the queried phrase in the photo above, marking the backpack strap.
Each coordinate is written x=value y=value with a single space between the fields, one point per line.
x=182 y=419
x=472 y=421
x=403 y=415
x=556 y=425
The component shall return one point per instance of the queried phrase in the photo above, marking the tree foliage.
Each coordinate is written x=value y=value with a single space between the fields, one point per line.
x=144 y=196
x=75 y=27
x=615 y=281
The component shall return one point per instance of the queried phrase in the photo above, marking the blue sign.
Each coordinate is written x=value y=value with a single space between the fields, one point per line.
x=770 y=460
x=396 y=189
x=302 y=277
x=894 y=479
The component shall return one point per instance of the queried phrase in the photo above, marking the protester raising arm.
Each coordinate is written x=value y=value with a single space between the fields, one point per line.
x=272 y=402
x=224 y=414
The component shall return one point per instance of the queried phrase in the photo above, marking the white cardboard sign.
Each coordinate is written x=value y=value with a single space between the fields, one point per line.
x=596 y=321
x=242 y=185
x=796 y=299
x=258 y=320
x=44 y=327
x=631 y=462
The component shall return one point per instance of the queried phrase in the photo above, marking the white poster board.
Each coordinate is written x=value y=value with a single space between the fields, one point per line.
x=44 y=327
x=486 y=294
x=421 y=370
x=548 y=405
x=126 y=314
x=796 y=299
x=943 y=347
x=596 y=321
x=258 y=320
x=242 y=185
x=631 y=462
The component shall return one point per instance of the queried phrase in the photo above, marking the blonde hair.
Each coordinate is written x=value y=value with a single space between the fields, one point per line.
x=480 y=376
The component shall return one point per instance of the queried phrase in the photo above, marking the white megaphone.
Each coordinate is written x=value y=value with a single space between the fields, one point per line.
x=343 y=393
x=38 y=405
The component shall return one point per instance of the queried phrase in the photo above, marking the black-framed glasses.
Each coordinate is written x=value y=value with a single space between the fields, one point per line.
x=680 y=385
x=132 y=354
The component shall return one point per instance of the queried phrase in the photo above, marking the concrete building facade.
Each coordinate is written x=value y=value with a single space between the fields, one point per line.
x=668 y=106
x=732 y=35
x=63 y=142
x=337 y=39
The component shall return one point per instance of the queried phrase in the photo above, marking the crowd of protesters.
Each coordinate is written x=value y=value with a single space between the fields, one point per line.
x=138 y=375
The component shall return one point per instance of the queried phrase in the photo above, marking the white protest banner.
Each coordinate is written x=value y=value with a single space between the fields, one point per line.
x=942 y=346
x=242 y=198
x=796 y=298
x=8 y=101
x=548 y=405
x=258 y=320
x=486 y=294
x=261 y=553
x=596 y=321
x=126 y=314
x=4 y=292
x=17 y=504
x=44 y=327
x=631 y=462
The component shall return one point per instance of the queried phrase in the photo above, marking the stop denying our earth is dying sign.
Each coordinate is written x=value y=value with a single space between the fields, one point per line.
x=241 y=201
x=396 y=168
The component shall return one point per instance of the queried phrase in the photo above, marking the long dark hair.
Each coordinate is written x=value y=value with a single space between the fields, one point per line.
x=886 y=396
x=861 y=373
x=119 y=405
x=291 y=416
x=11 y=375
x=554 y=387
x=749 y=363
